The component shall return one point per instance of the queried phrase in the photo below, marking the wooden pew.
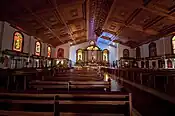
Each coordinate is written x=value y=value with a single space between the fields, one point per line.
x=89 y=85
x=70 y=85
x=23 y=113
x=111 y=103
x=26 y=105
x=40 y=85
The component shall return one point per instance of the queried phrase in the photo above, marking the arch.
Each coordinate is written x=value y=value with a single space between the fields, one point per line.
x=105 y=55
x=79 y=55
x=138 y=55
x=18 y=41
x=60 y=53
x=152 y=49
x=49 y=51
x=126 y=53
x=38 y=48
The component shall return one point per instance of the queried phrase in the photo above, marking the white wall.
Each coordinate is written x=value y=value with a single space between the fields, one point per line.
x=53 y=53
x=7 y=39
x=73 y=49
x=122 y=47
x=163 y=47
x=113 y=53
x=66 y=48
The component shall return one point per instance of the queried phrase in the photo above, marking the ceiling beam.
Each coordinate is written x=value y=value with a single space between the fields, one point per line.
x=152 y=8
x=110 y=12
x=79 y=38
x=78 y=20
x=137 y=28
x=78 y=31
x=39 y=20
x=54 y=2
x=87 y=19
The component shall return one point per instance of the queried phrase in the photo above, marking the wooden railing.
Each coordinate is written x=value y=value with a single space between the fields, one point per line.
x=160 y=80
x=15 y=104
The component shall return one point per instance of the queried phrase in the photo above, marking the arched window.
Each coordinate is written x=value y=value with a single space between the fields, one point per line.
x=169 y=63
x=79 y=55
x=48 y=51
x=152 y=50
x=37 y=48
x=137 y=52
x=60 y=53
x=18 y=39
x=105 y=55
x=126 y=53
x=173 y=45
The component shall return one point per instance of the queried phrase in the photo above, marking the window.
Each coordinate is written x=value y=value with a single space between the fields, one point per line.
x=125 y=53
x=173 y=44
x=80 y=55
x=37 y=48
x=49 y=51
x=18 y=39
x=152 y=50
x=60 y=53
x=105 y=55
x=169 y=63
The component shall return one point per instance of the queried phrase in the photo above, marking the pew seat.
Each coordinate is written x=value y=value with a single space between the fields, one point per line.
x=24 y=113
x=62 y=104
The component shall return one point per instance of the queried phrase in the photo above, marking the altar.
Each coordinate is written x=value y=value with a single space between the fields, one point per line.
x=92 y=55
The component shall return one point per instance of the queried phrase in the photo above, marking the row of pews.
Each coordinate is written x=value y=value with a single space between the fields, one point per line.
x=65 y=93
x=15 y=104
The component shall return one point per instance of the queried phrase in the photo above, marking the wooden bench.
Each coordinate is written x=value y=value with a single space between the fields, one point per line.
x=71 y=85
x=95 y=85
x=40 y=85
x=24 y=113
x=114 y=103
x=25 y=105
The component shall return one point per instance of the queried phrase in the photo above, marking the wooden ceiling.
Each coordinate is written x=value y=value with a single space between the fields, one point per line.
x=133 y=22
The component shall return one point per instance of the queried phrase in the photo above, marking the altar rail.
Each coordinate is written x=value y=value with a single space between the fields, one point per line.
x=16 y=104
x=160 y=80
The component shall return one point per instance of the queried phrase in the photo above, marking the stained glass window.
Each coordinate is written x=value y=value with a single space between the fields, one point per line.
x=37 y=48
x=18 y=39
x=173 y=44
x=60 y=53
x=49 y=51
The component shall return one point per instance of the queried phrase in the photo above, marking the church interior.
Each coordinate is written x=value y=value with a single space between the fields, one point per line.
x=87 y=57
